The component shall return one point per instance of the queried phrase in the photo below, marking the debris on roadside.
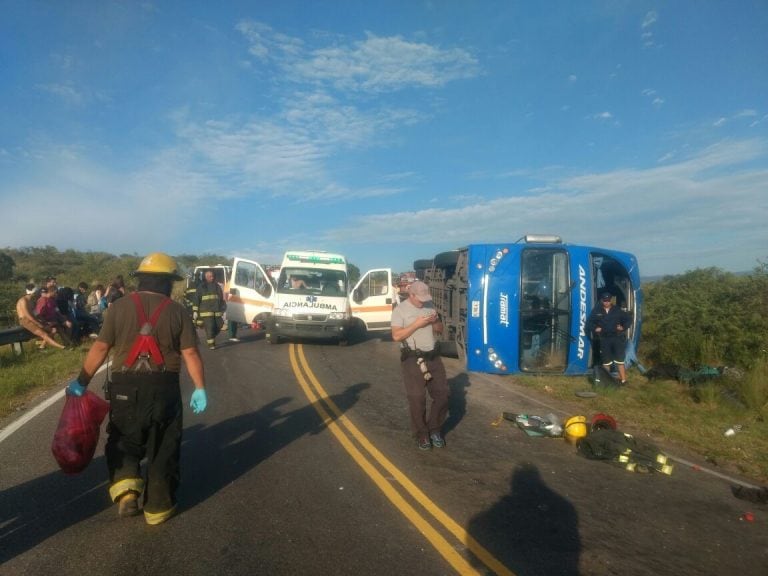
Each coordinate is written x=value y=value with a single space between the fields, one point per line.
x=751 y=494
x=536 y=425
x=596 y=439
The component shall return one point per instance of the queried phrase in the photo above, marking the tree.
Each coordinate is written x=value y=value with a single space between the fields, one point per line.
x=6 y=266
x=354 y=274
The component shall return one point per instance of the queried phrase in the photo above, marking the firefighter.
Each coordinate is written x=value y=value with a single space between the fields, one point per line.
x=149 y=335
x=210 y=306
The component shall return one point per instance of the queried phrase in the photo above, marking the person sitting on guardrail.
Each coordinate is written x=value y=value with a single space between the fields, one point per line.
x=93 y=302
x=48 y=314
x=28 y=321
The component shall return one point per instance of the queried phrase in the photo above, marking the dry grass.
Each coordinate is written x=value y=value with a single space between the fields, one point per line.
x=32 y=372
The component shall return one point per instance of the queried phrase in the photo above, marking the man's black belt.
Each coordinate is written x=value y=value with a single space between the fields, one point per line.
x=406 y=353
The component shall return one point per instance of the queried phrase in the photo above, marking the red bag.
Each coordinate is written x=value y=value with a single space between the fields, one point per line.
x=74 y=442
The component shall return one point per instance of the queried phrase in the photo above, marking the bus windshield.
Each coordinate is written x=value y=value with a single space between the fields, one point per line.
x=544 y=310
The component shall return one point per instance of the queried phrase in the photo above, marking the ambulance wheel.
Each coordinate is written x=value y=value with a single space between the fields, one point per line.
x=357 y=331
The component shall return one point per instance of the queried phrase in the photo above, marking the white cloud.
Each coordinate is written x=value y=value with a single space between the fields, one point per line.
x=265 y=43
x=686 y=214
x=602 y=116
x=149 y=207
x=65 y=92
x=649 y=19
x=647 y=35
x=376 y=64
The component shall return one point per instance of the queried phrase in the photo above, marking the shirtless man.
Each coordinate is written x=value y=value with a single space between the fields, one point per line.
x=27 y=318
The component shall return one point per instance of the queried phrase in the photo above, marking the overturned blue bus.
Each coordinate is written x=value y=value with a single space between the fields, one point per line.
x=522 y=306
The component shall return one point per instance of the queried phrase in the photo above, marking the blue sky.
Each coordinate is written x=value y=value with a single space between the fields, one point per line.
x=388 y=131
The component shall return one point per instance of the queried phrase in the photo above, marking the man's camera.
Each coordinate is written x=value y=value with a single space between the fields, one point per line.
x=424 y=370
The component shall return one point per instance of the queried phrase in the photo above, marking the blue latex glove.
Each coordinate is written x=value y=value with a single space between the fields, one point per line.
x=74 y=388
x=199 y=401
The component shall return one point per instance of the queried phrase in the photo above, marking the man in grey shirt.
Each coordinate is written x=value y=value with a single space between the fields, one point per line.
x=414 y=324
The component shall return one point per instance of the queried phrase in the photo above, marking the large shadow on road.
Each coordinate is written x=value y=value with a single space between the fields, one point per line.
x=532 y=530
x=457 y=401
x=221 y=453
x=212 y=458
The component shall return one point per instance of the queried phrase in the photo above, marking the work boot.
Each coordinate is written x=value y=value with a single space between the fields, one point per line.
x=128 y=505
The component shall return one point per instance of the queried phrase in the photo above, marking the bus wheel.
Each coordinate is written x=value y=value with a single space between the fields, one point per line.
x=272 y=338
x=447 y=259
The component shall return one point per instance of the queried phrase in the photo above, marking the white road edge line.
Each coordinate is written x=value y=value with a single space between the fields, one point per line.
x=15 y=425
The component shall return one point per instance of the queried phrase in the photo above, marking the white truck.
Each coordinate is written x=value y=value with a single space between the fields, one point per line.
x=310 y=298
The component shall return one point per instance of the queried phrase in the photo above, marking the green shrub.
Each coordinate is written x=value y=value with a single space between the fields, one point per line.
x=706 y=317
x=753 y=388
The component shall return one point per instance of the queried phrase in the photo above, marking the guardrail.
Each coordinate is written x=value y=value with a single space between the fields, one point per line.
x=14 y=337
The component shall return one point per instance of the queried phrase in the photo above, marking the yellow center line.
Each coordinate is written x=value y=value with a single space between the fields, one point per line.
x=440 y=544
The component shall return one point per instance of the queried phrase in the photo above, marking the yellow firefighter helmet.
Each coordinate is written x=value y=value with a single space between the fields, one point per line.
x=159 y=263
x=575 y=428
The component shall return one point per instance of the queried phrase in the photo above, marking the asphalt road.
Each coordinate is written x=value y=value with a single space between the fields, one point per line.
x=303 y=464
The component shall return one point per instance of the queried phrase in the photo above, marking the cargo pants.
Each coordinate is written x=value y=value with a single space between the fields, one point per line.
x=416 y=388
x=145 y=421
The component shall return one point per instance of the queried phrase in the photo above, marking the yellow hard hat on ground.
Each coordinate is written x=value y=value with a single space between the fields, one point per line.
x=159 y=263
x=575 y=428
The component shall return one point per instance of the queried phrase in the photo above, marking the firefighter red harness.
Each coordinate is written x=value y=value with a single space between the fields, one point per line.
x=145 y=346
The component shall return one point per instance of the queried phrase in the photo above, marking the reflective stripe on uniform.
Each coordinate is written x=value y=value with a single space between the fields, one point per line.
x=127 y=485
x=153 y=518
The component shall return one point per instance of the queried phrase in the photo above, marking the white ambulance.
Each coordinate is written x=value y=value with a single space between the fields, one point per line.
x=310 y=298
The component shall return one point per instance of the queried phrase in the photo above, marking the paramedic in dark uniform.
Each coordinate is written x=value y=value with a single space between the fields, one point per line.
x=414 y=324
x=149 y=335
x=610 y=324
x=210 y=306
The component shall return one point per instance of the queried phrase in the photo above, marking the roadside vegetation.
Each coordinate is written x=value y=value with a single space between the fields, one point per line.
x=704 y=342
